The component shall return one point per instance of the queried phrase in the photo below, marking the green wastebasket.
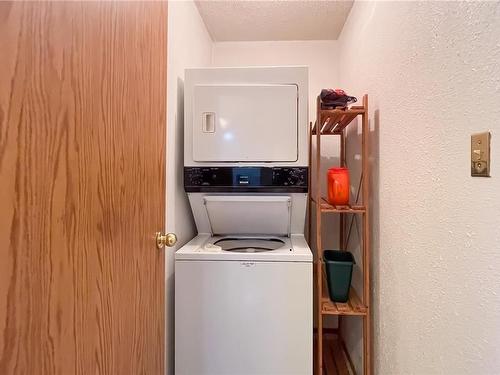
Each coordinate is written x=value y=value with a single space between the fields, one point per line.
x=338 y=266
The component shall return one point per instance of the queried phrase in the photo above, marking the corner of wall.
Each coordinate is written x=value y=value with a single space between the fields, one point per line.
x=186 y=29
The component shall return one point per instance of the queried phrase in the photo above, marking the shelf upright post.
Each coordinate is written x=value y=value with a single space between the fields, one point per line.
x=366 y=241
x=309 y=180
x=319 y=248
x=342 y=216
x=342 y=244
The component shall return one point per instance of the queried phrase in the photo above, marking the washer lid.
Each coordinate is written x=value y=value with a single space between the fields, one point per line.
x=267 y=215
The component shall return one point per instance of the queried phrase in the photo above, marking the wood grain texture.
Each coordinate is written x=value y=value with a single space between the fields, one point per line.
x=335 y=358
x=82 y=177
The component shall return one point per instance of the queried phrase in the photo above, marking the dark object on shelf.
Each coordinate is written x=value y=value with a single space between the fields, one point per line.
x=338 y=266
x=335 y=98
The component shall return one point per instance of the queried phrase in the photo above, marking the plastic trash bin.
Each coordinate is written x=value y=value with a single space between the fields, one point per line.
x=338 y=266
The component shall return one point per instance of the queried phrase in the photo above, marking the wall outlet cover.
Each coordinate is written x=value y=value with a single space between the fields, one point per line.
x=480 y=154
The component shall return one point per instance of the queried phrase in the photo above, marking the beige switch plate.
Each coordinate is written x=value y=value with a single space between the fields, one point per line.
x=480 y=154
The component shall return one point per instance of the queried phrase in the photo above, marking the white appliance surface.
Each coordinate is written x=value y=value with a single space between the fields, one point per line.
x=239 y=309
x=260 y=213
x=245 y=313
x=247 y=123
x=246 y=115
x=248 y=214
x=295 y=249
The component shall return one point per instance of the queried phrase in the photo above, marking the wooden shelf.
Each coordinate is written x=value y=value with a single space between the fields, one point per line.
x=334 y=121
x=327 y=207
x=353 y=306
x=335 y=359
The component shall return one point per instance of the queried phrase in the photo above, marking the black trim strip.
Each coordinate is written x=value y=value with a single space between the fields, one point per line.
x=246 y=179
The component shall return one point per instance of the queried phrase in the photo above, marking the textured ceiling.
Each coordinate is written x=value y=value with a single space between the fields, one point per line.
x=274 y=20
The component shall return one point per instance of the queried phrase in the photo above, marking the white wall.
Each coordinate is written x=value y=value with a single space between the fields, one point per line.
x=432 y=70
x=189 y=45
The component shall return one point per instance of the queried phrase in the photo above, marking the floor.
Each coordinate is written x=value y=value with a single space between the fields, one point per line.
x=335 y=360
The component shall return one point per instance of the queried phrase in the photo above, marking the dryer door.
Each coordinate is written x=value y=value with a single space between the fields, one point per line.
x=245 y=123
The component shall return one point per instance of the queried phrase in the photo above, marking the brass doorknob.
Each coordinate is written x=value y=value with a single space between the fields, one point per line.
x=163 y=240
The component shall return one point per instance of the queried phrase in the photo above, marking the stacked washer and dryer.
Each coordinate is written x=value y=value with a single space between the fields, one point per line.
x=243 y=285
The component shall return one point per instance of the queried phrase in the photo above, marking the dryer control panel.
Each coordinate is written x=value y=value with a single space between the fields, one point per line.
x=246 y=179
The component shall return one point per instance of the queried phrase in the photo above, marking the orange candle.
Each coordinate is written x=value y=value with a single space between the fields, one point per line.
x=338 y=186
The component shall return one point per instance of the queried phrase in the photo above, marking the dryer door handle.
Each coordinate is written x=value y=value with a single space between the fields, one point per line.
x=208 y=122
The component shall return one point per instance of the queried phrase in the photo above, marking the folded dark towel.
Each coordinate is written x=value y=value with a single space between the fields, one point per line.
x=335 y=98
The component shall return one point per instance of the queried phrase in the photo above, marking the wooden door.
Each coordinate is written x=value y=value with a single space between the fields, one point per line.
x=82 y=187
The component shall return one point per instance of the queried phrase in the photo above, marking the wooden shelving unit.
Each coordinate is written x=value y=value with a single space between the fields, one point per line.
x=335 y=122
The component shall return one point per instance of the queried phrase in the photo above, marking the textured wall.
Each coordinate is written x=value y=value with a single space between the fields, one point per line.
x=189 y=45
x=432 y=70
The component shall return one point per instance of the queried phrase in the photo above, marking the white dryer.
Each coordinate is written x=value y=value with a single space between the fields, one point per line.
x=243 y=286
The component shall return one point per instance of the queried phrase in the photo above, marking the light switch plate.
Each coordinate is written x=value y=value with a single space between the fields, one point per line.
x=480 y=154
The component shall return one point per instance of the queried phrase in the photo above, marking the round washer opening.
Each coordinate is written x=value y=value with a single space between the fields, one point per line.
x=249 y=245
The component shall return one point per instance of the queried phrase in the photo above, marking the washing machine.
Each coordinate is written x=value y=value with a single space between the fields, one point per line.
x=243 y=285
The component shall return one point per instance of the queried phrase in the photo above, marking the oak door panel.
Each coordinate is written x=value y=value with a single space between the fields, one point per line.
x=82 y=187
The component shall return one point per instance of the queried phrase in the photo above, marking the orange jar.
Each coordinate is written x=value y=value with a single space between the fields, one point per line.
x=338 y=186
